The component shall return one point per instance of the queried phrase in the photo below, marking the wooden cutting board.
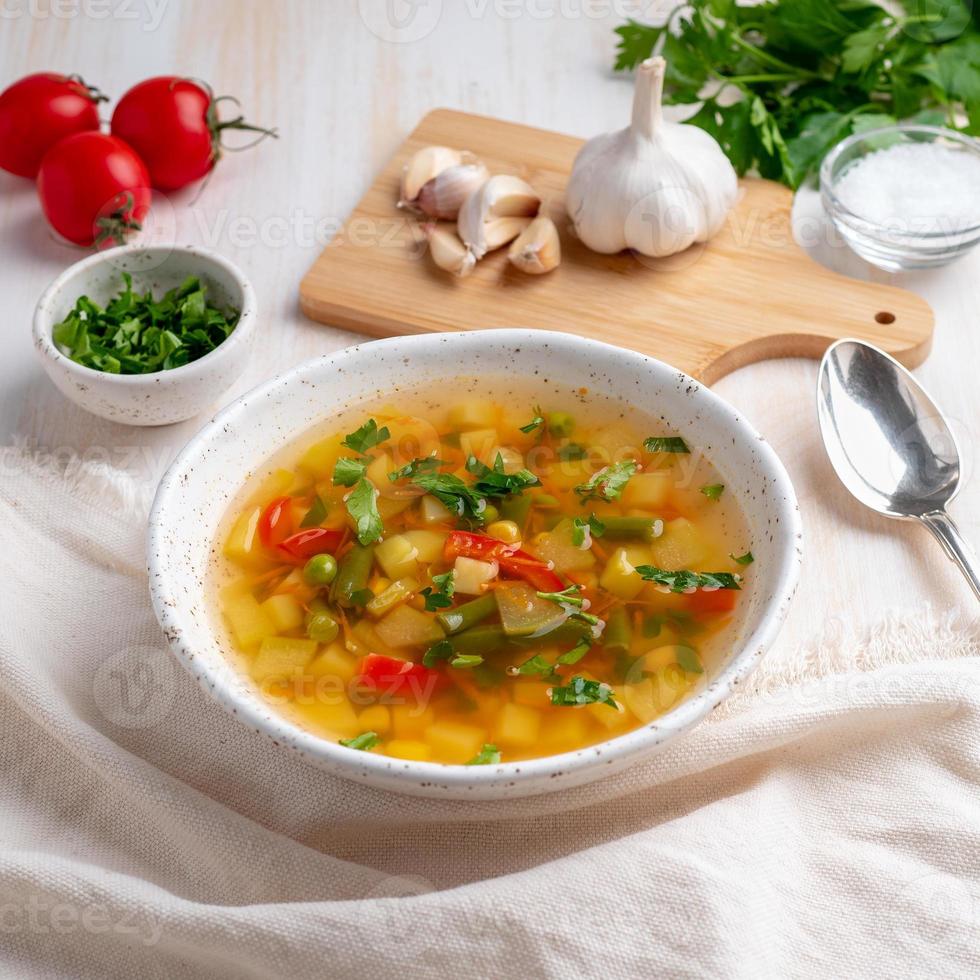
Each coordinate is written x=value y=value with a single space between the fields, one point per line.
x=749 y=294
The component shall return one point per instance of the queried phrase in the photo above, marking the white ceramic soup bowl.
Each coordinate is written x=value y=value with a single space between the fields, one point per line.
x=164 y=396
x=208 y=475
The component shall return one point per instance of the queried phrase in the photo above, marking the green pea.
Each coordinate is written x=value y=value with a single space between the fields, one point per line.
x=560 y=424
x=490 y=514
x=322 y=627
x=320 y=570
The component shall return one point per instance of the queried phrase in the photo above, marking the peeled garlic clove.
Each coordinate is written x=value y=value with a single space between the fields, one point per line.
x=427 y=163
x=449 y=253
x=501 y=198
x=442 y=196
x=537 y=249
x=499 y=231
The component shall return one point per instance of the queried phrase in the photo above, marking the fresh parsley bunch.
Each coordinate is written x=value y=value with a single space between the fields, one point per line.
x=806 y=73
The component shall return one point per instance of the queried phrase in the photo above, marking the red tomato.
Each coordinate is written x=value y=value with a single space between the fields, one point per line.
x=38 y=111
x=390 y=675
x=276 y=522
x=173 y=124
x=93 y=188
x=313 y=541
x=513 y=561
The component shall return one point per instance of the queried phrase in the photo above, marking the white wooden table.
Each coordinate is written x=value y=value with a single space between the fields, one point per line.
x=344 y=84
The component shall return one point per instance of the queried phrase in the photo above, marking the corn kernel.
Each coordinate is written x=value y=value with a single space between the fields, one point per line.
x=506 y=531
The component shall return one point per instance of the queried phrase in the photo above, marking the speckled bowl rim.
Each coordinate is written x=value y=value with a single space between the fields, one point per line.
x=44 y=318
x=527 y=777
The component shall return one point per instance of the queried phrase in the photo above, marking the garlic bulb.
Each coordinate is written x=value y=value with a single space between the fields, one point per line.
x=656 y=187
x=537 y=249
x=438 y=179
x=496 y=214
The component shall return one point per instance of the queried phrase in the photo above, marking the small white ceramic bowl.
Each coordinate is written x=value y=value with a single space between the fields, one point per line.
x=165 y=396
x=211 y=470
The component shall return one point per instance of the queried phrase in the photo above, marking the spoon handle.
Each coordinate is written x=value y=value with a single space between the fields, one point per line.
x=955 y=545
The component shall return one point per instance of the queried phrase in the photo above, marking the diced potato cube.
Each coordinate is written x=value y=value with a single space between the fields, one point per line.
x=564 y=729
x=473 y=413
x=398 y=557
x=455 y=742
x=620 y=577
x=335 y=661
x=518 y=726
x=657 y=693
x=320 y=459
x=333 y=718
x=609 y=718
x=389 y=506
x=648 y=491
x=249 y=622
x=479 y=444
x=680 y=546
x=278 y=482
x=410 y=720
x=471 y=575
x=377 y=718
x=284 y=611
x=410 y=750
x=407 y=627
x=533 y=694
x=282 y=657
x=243 y=544
x=428 y=544
x=434 y=511
x=378 y=470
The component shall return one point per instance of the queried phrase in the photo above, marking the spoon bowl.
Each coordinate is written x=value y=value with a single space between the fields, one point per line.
x=890 y=444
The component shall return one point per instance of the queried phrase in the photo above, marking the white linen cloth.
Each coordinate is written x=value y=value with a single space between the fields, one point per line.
x=825 y=822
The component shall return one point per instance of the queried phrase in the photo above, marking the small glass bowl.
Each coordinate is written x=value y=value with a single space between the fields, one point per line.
x=898 y=244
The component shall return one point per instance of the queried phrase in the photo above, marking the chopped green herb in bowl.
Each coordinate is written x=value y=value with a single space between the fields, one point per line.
x=139 y=334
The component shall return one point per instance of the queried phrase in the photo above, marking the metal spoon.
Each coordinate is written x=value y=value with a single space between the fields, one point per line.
x=890 y=444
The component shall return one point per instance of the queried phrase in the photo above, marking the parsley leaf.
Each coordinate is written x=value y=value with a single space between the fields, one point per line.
x=315 y=515
x=427 y=464
x=580 y=690
x=442 y=650
x=362 y=505
x=592 y=527
x=348 y=471
x=440 y=597
x=687 y=659
x=366 y=437
x=571 y=452
x=745 y=559
x=686 y=581
x=458 y=496
x=537 y=421
x=607 y=483
x=489 y=755
x=495 y=482
x=574 y=655
x=364 y=741
x=713 y=490
x=665 y=444
x=537 y=665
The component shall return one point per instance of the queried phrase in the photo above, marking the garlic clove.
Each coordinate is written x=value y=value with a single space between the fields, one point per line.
x=537 y=249
x=425 y=164
x=499 y=231
x=449 y=253
x=442 y=196
x=501 y=197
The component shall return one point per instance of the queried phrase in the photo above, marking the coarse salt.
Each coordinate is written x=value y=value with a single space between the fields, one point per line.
x=924 y=188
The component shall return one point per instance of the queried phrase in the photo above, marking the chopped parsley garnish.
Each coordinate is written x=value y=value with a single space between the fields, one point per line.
x=464 y=660
x=348 y=471
x=489 y=755
x=572 y=451
x=685 y=581
x=450 y=490
x=440 y=597
x=442 y=650
x=580 y=690
x=535 y=423
x=607 y=483
x=745 y=559
x=425 y=464
x=494 y=482
x=364 y=741
x=137 y=334
x=665 y=444
x=571 y=601
x=580 y=527
x=366 y=437
x=315 y=515
x=362 y=505
x=687 y=659
x=713 y=490
x=536 y=665
x=574 y=655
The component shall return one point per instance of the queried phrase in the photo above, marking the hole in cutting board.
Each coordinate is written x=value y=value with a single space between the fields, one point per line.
x=884 y=317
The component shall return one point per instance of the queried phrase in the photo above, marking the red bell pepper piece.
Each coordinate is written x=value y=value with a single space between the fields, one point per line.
x=513 y=561
x=303 y=545
x=276 y=522
x=393 y=676
x=718 y=601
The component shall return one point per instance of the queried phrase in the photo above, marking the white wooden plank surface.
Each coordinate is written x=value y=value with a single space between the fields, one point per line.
x=344 y=85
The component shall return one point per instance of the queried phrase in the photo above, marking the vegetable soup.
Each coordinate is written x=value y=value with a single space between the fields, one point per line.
x=480 y=583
